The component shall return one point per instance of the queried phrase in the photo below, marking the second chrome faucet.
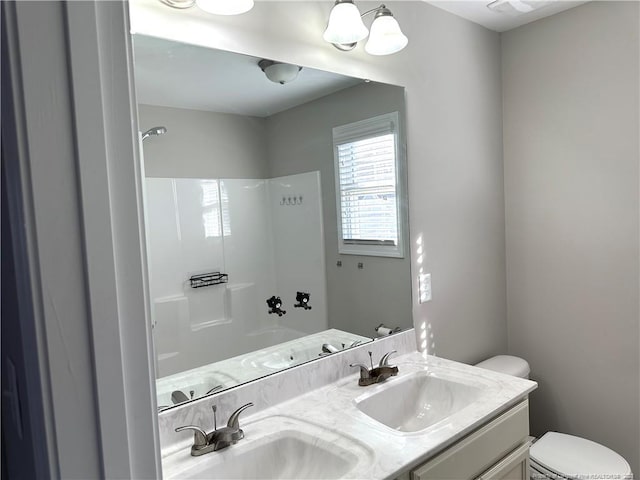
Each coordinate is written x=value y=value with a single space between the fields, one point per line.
x=369 y=376
x=218 y=439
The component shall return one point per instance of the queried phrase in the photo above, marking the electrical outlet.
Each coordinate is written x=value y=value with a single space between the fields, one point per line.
x=424 y=287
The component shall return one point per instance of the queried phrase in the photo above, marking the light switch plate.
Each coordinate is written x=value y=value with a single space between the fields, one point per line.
x=424 y=287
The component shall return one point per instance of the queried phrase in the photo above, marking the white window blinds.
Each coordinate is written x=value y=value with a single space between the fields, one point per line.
x=367 y=186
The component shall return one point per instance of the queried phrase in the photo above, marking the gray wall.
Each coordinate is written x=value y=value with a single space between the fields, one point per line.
x=202 y=144
x=456 y=201
x=571 y=181
x=300 y=140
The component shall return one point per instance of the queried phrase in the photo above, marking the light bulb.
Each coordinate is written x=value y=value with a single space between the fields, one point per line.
x=386 y=37
x=225 y=7
x=345 y=24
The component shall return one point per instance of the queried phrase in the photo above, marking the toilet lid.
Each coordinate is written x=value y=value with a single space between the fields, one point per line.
x=515 y=366
x=576 y=457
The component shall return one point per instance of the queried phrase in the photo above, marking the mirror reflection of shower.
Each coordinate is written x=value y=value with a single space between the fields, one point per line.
x=154 y=131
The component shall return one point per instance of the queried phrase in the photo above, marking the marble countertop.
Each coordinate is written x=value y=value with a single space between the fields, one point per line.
x=390 y=452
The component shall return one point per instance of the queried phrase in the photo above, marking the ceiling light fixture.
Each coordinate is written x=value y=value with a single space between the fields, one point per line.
x=279 y=72
x=181 y=4
x=345 y=29
x=216 y=7
x=516 y=7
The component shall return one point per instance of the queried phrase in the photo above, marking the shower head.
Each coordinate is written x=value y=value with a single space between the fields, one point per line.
x=154 y=131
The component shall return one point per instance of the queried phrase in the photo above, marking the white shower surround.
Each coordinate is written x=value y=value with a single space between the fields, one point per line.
x=238 y=227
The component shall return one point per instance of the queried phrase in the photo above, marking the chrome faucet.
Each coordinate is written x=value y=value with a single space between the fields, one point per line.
x=328 y=348
x=178 y=396
x=369 y=376
x=204 y=442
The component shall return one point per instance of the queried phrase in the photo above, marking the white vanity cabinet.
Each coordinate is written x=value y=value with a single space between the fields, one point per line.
x=498 y=450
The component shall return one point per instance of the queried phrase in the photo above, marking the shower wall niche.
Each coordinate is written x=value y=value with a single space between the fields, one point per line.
x=266 y=235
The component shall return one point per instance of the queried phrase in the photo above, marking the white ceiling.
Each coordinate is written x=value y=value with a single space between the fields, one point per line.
x=477 y=11
x=178 y=75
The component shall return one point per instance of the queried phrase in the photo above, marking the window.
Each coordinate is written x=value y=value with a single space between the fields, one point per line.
x=214 y=195
x=369 y=187
x=210 y=208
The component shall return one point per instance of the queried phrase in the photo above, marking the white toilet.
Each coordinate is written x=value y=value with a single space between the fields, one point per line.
x=560 y=456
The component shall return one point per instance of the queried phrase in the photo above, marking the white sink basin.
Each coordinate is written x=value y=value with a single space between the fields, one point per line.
x=277 y=448
x=274 y=360
x=417 y=401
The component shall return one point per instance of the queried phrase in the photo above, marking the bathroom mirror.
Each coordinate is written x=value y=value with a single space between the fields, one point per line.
x=245 y=274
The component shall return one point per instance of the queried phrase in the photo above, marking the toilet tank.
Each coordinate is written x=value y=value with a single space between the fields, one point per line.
x=508 y=364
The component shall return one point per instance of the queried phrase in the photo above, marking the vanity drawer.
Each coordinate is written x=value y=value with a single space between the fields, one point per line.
x=514 y=466
x=481 y=449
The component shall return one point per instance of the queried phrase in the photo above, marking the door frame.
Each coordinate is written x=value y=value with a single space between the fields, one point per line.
x=78 y=182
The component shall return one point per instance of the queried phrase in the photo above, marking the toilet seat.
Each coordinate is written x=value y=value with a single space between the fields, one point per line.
x=538 y=472
x=558 y=455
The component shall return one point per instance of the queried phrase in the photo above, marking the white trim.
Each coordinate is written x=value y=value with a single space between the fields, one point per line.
x=112 y=212
x=378 y=125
